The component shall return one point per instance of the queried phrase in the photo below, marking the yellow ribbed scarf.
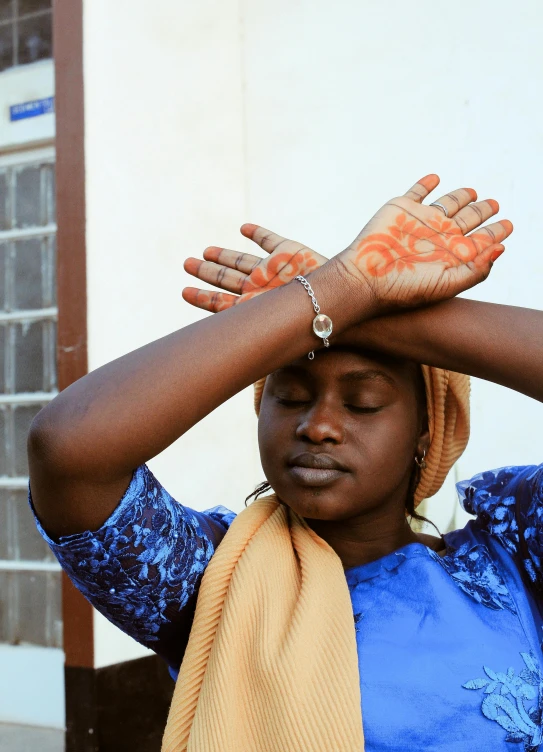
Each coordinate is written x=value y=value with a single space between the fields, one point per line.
x=271 y=664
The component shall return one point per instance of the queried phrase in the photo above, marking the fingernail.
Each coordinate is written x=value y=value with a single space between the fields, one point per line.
x=507 y=225
x=493 y=204
x=496 y=254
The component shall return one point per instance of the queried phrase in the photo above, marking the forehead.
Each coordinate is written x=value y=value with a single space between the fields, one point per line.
x=352 y=365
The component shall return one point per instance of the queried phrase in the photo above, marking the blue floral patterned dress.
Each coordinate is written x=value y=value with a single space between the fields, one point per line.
x=449 y=647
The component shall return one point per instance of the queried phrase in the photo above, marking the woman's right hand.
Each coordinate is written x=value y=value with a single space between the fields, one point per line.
x=243 y=275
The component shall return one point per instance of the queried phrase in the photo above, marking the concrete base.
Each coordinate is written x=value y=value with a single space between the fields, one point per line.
x=25 y=738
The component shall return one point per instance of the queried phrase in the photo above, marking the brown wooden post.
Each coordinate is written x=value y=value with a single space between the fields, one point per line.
x=77 y=613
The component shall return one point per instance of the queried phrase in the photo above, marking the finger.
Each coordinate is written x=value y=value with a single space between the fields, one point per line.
x=484 y=261
x=242 y=262
x=487 y=236
x=456 y=200
x=473 y=215
x=471 y=273
x=216 y=274
x=421 y=189
x=267 y=240
x=207 y=300
x=494 y=252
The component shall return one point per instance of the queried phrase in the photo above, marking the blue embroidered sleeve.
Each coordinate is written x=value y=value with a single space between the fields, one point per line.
x=508 y=503
x=143 y=567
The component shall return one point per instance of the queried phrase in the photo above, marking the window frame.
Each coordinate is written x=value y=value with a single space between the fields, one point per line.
x=13 y=20
x=8 y=483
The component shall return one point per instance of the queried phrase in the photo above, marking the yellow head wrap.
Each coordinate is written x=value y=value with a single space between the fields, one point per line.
x=447 y=398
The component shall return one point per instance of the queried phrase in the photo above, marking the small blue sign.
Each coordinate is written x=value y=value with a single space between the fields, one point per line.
x=32 y=109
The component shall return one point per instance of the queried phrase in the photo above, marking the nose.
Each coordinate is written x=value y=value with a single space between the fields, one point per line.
x=320 y=423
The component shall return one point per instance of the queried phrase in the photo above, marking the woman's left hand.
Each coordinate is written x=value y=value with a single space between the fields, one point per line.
x=243 y=275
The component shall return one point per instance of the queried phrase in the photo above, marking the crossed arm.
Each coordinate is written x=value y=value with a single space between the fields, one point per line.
x=499 y=343
x=495 y=342
x=85 y=445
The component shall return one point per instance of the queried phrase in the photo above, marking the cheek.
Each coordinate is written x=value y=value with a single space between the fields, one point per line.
x=387 y=445
x=273 y=434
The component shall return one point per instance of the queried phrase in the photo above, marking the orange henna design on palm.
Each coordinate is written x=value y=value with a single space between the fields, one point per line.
x=440 y=257
x=409 y=241
x=279 y=269
x=275 y=272
x=208 y=300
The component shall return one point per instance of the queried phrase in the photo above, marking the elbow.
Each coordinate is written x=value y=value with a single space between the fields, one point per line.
x=47 y=444
x=40 y=439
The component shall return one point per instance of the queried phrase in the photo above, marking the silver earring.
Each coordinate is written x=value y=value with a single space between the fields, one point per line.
x=421 y=463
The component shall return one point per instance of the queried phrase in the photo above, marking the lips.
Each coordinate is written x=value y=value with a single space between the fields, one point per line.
x=309 y=469
x=316 y=461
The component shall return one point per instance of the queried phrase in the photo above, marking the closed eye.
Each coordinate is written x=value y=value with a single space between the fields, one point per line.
x=363 y=410
x=291 y=402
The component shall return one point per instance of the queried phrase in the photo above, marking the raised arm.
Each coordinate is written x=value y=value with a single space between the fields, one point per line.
x=493 y=342
x=84 y=446
x=498 y=343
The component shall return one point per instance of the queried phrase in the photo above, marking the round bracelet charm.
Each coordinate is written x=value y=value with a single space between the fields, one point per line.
x=322 y=326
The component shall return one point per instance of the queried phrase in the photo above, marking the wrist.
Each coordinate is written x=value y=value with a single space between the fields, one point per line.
x=346 y=299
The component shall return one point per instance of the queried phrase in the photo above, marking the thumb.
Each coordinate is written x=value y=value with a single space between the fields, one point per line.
x=266 y=239
x=486 y=258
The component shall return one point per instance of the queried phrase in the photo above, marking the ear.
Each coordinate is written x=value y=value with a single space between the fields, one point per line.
x=423 y=443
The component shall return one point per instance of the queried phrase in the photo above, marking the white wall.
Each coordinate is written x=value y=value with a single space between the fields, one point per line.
x=165 y=178
x=304 y=117
x=348 y=103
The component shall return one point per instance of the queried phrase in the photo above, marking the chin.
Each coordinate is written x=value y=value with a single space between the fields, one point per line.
x=318 y=504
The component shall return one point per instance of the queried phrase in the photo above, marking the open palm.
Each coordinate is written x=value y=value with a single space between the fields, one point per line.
x=246 y=275
x=409 y=253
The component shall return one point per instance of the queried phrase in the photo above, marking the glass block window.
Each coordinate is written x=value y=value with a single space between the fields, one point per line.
x=25 y=32
x=30 y=591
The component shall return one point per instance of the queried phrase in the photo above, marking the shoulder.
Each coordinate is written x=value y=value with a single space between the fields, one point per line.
x=481 y=492
x=225 y=517
x=432 y=541
x=508 y=506
x=499 y=498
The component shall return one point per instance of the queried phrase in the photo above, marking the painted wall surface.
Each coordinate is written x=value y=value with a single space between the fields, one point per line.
x=32 y=685
x=304 y=117
x=26 y=83
x=165 y=178
x=349 y=103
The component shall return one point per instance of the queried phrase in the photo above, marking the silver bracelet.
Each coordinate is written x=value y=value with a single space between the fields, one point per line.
x=322 y=324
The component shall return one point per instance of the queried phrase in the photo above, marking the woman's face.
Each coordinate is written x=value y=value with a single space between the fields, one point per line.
x=338 y=435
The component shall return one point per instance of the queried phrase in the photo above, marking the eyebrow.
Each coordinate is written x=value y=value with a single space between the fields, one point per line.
x=356 y=376
x=290 y=370
x=370 y=374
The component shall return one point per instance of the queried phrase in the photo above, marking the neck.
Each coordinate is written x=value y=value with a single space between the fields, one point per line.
x=356 y=543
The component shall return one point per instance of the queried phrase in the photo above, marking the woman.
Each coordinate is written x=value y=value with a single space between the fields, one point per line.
x=443 y=651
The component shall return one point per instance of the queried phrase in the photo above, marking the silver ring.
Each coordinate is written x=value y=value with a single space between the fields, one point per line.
x=436 y=203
